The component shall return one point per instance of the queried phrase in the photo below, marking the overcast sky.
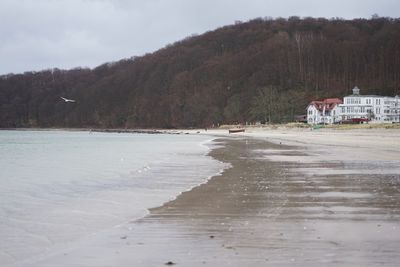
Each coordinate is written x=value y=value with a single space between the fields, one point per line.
x=42 y=34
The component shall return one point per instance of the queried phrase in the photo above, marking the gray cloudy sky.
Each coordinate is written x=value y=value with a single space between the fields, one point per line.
x=42 y=34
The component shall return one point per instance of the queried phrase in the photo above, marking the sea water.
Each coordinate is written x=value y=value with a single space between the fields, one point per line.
x=57 y=187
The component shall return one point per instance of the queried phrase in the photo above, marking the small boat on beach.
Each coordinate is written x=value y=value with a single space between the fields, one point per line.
x=236 y=130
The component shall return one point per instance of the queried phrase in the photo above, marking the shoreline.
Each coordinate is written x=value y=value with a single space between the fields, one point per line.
x=290 y=198
x=96 y=130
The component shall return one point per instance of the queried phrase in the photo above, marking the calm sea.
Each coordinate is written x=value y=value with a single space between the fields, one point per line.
x=57 y=187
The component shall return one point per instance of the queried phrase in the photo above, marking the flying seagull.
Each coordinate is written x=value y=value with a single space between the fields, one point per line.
x=67 y=100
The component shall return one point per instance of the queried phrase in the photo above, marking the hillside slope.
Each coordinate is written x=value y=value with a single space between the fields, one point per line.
x=261 y=70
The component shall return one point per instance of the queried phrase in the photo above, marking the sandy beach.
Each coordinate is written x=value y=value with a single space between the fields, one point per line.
x=291 y=198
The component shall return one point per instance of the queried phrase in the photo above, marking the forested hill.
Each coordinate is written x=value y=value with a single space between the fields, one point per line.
x=261 y=70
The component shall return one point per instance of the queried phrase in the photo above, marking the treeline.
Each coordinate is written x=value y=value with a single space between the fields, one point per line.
x=263 y=70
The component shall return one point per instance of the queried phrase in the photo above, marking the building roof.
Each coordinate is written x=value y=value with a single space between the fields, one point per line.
x=356 y=93
x=328 y=104
x=366 y=96
x=332 y=101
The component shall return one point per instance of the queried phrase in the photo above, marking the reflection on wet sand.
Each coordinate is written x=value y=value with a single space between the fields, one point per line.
x=281 y=212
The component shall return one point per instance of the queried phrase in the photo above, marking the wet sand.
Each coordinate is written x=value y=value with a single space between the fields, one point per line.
x=266 y=212
x=277 y=206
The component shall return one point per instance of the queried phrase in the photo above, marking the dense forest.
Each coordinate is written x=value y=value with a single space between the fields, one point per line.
x=264 y=70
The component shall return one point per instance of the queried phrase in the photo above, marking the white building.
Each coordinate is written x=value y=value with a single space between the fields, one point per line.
x=326 y=111
x=373 y=108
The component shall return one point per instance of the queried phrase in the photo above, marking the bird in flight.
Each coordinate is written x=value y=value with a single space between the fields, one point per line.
x=67 y=100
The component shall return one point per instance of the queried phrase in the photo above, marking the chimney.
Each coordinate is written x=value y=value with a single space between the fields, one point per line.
x=356 y=91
